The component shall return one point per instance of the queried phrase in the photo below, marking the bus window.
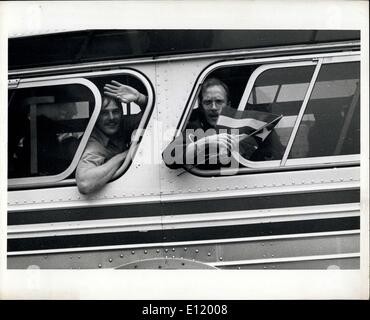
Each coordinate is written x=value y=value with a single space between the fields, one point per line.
x=331 y=124
x=46 y=124
x=278 y=89
x=316 y=100
x=51 y=119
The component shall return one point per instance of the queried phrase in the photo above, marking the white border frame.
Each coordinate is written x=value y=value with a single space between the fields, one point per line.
x=189 y=284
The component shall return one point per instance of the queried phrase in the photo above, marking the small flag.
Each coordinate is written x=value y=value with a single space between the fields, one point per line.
x=251 y=123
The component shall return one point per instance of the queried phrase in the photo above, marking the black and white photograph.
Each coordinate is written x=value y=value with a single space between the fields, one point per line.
x=233 y=152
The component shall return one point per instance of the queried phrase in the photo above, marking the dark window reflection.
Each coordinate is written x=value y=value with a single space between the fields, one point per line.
x=45 y=128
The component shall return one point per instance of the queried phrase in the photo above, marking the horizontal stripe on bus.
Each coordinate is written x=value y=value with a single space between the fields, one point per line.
x=184 y=207
x=181 y=221
x=186 y=234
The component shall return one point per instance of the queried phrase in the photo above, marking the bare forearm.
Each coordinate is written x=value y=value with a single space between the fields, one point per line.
x=142 y=100
x=94 y=178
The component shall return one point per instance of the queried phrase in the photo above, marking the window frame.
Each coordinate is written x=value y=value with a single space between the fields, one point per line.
x=80 y=78
x=270 y=63
x=256 y=73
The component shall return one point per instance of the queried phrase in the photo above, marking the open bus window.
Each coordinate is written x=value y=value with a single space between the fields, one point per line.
x=277 y=89
x=51 y=120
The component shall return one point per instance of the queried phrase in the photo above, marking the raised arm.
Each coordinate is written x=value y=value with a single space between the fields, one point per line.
x=125 y=93
x=90 y=177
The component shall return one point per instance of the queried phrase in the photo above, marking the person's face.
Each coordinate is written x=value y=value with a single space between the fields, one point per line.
x=110 y=117
x=214 y=98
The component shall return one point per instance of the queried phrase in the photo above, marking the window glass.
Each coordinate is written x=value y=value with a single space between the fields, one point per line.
x=280 y=91
x=331 y=124
x=100 y=45
x=45 y=125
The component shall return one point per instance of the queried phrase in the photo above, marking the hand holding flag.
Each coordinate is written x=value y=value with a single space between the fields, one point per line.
x=250 y=123
x=253 y=128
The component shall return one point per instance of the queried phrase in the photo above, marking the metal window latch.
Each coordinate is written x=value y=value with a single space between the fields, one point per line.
x=13 y=83
x=315 y=59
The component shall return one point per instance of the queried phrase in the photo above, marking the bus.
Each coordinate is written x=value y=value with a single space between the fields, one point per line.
x=298 y=210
